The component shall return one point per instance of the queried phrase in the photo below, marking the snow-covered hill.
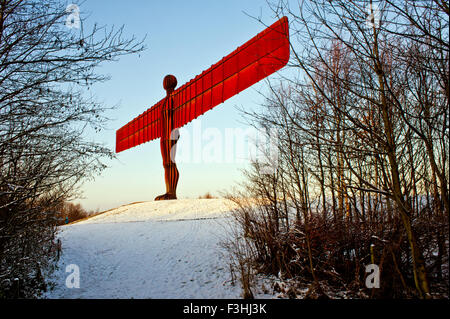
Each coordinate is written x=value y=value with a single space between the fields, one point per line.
x=164 y=249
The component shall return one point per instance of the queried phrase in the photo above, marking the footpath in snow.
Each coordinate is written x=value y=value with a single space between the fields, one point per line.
x=164 y=249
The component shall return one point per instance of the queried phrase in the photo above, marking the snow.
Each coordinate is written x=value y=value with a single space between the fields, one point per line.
x=164 y=249
x=180 y=209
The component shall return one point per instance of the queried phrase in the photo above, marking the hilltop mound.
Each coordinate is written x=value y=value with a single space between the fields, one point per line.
x=180 y=209
x=164 y=249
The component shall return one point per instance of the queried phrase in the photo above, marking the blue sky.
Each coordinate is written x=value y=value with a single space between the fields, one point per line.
x=183 y=38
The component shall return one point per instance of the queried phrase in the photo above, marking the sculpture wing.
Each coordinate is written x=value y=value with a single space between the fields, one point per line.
x=259 y=57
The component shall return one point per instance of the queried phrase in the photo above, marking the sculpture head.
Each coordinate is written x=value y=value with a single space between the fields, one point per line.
x=169 y=83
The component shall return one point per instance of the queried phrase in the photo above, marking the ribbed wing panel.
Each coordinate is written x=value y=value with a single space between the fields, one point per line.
x=144 y=128
x=264 y=54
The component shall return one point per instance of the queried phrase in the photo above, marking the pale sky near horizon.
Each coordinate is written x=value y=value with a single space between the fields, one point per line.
x=183 y=38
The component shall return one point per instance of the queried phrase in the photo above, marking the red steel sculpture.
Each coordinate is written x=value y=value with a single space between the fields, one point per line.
x=259 y=57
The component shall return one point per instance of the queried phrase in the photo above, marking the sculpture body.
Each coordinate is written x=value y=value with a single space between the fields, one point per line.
x=169 y=138
x=256 y=59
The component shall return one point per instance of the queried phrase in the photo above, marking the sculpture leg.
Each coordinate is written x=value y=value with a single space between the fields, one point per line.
x=171 y=174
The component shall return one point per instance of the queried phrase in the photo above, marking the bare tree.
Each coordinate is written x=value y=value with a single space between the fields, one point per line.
x=46 y=72
x=365 y=127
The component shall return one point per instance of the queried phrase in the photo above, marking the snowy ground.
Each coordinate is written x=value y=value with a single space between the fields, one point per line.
x=165 y=249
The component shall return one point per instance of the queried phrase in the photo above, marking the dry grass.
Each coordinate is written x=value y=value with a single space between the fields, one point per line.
x=206 y=196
